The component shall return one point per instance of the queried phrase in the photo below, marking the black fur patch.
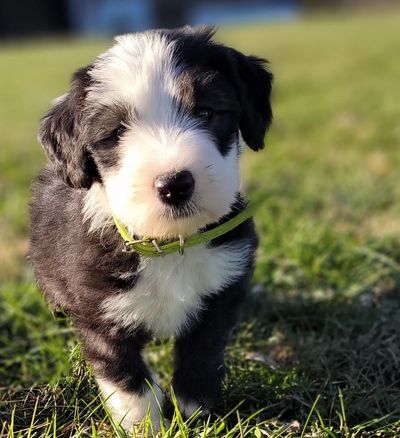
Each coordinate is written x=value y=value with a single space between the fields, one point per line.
x=60 y=134
x=248 y=76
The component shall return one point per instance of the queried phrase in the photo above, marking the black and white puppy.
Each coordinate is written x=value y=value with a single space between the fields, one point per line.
x=150 y=133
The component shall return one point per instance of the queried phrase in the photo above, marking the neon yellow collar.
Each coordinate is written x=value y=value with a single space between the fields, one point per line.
x=148 y=247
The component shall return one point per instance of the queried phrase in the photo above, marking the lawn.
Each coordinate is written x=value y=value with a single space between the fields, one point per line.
x=317 y=352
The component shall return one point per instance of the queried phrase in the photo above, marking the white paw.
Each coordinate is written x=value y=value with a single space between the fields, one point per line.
x=128 y=408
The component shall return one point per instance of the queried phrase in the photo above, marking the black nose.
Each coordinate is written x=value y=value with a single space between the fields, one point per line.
x=175 y=188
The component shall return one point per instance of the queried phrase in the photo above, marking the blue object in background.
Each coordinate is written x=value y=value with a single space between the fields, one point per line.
x=110 y=16
x=245 y=12
x=119 y=16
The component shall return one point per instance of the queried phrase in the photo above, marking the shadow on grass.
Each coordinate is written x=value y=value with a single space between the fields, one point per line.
x=68 y=406
x=299 y=347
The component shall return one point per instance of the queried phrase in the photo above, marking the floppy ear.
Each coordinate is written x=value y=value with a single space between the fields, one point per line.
x=254 y=83
x=60 y=131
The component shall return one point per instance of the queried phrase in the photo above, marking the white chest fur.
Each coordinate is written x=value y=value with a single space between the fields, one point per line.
x=167 y=295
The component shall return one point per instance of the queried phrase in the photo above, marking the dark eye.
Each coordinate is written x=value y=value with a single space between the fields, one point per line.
x=204 y=113
x=118 y=132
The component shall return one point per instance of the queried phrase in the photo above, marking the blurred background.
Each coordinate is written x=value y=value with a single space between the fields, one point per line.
x=87 y=17
x=325 y=305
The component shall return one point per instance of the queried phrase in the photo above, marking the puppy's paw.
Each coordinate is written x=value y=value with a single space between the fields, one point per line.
x=128 y=408
x=188 y=408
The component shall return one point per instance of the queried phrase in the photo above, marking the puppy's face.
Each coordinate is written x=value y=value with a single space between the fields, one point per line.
x=155 y=123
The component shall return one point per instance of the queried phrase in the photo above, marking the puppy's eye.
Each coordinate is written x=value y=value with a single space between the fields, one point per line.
x=118 y=132
x=204 y=113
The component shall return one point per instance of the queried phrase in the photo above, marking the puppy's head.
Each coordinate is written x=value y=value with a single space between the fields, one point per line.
x=152 y=129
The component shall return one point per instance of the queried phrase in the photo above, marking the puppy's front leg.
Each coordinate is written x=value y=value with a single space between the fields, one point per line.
x=199 y=353
x=122 y=375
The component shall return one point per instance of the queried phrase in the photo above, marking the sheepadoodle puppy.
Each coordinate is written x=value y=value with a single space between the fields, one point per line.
x=146 y=144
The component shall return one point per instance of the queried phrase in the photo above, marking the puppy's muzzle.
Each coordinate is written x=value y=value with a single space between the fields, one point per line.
x=175 y=188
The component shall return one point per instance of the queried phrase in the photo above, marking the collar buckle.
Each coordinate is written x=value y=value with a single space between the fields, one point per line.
x=128 y=244
x=156 y=246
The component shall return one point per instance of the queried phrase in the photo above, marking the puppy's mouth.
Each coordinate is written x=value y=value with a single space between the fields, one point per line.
x=183 y=211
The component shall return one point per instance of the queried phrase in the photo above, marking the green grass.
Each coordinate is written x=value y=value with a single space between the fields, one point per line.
x=317 y=352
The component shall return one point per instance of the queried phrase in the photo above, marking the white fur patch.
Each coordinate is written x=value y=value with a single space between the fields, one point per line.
x=134 y=71
x=168 y=292
x=96 y=210
x=128 y=408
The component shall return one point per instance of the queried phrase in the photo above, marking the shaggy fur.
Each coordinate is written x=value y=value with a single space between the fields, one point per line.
x=156 y=105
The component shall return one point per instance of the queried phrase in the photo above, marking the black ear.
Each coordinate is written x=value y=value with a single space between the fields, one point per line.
x=254 y=83
x=59 y=135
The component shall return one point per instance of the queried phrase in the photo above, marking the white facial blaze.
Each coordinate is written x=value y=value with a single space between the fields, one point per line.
x=140 y=72
x=146 y=156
